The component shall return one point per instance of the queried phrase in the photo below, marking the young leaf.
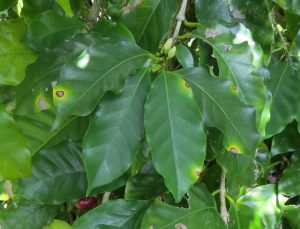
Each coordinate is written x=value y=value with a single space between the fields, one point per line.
x=27 y=216
x=149 y=21
x=113 y=214
x=283 y=84
x=15 y=157
x=202 y=211
x=50 y=28
x=175 y=132
x=58 y=175
x=222 y=108
x=115 y=132
x=184 y=56
x=14 y=56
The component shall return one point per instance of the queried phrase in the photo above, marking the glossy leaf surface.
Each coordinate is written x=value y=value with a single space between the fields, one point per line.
x=184 y=56
x=121 y=118
x=202 y=211
x=50 y=28
x=58 y=175
x=14 y=56
x=113 y=214
x=27 y=216
x=283 y=84
x=175 y=132
x=149 y=21
x=240 y=135
x=15 y=157
x=289 y=183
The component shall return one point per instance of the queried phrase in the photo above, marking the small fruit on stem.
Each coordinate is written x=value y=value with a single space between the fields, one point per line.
x=86 y=203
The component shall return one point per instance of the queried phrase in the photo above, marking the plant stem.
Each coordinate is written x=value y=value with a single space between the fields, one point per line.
x=105 y=197
x=93 y=15
x=180 y=18
x=191 y=24
x=223 y=210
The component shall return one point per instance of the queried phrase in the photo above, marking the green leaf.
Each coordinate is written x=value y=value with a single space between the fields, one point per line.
x=5 y=4
x=258 y=209
x=32 y=8
x=289 y=183
x=286 y=141
x=58 y=175
x=50 y=28
x=147 y=184
x=292 y=6
x=113 y=214
x=240 y=11
x=57 y=224
x=15 y=157
x=292 y=213
x=283 y=85
x=115 y=132
x=238 y=58
x=14 y=56
x=202 y=211
x=221 y=108
x=175 y=133
x=66 y=6
x=184 y=56
x=83 y=81
x=149 y=21
x=26 y=216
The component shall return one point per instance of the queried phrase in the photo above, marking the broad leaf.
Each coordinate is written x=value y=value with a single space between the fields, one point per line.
x=27 y=216
x=57 y=224
x=202 y=211
x=14 y=56
x=286 y=141
x=115 y=132
x=113 y=214
x=66 y=6
x=184 y=56
x=289 y=183
x=50 y=28
x=258 y=209
x=15 y=157
x=32 y=8
x=147 y=184
x=149 y=21
x=292 y=213
x=290 y=5
x=238 y=58
x=4 y=4
x=283 y=84
x=221 y=108
x=174 y=130
x=83 y=81
x=58 y=175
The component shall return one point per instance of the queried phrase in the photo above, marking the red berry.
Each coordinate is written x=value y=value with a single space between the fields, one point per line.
x=86 y=203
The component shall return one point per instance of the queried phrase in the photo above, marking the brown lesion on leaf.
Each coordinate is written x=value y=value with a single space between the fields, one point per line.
x=234 y=150
x=212 y=33
x=198 y=173
x=186 y=84
x=60 y=94
x=180 y=226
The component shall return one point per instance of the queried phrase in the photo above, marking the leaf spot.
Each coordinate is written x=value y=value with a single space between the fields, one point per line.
x=180 y=226
x=197 y=172
x=234 y=150
x=227 y=47
x=236 y=13
x=186 y=84
x=212 y=33
x=42 y=103
x=60 y=93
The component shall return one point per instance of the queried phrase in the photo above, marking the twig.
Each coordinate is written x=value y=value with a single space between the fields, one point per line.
x=105 y=197
x=93 y=15
x=180 y=18
x=223 y=209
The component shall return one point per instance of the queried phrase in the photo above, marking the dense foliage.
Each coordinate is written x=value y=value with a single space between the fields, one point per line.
x=149 y=114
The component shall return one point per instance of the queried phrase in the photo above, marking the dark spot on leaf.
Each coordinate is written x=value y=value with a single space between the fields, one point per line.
x=186 y=84
x=60 y=93
x=233 y=150
x=198 y=173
